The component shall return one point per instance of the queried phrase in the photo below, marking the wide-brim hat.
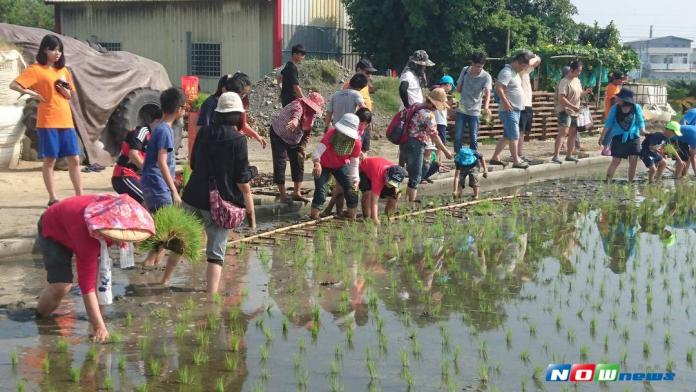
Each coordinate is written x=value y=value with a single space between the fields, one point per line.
x=348 y=126
x=118 y=218
x=438 y=97
x=230 y=102
x=314 y=101
x=421 y=57
x=366 y=65
x=626 y=95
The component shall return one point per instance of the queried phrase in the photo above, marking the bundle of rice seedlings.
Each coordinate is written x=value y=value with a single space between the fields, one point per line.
x=177 y=230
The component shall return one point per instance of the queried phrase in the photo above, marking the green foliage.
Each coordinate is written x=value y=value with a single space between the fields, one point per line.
x=319 y=71
x=198 y=102
x=386 y=97
x=30 y=13
x=682 y=95
x=179 y=229
x=599 y=37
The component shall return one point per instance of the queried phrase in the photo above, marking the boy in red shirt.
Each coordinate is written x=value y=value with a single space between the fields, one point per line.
x=337 y=155
x=64 y=231
x=379 y=178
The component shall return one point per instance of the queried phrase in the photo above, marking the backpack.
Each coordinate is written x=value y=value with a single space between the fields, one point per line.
x=465 y=157
x=396 y=130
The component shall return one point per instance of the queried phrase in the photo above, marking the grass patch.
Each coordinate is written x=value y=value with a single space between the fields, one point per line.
x=386 y=99
x=313 y=73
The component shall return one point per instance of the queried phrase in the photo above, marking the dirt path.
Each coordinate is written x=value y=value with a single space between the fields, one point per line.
x=23 y=197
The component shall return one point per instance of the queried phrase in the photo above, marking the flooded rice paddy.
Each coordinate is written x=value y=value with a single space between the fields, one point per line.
x=481 y=300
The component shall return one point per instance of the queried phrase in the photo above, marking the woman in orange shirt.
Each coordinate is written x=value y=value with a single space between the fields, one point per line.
x=49 y=82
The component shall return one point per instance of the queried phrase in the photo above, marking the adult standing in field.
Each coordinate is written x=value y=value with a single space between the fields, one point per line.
x=623 y=127
x=568 y=95
x=474 y=85
x=527 y=115
x=207 y=110
x=290 y=88
x=289 y=135
x=509 y=89
x=346 y=100
x=220 y=155
x=50 y=82
x=411 y=83
x=422 y=130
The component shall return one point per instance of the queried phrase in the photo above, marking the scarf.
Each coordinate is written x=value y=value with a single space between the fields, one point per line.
x=342 y=144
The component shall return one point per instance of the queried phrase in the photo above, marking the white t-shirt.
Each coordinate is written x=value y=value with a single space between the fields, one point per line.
x=415 y=94
x=441 y=117
x=527 y=88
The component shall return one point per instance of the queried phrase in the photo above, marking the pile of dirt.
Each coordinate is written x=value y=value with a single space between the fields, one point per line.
x=323 y=76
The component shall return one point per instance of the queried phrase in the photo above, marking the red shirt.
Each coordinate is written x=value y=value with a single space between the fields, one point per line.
x=330 y=159
x=375 y=169
x=64 y=223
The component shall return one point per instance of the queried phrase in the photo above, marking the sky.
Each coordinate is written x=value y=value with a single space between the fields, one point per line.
x=634 y=17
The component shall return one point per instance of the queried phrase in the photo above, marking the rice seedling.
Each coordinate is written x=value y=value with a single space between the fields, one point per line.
x=532 y=328
x=646 y=348
x=144 y=344
x=129 y=319
x=75 y=375
x=593 y=327
x=122 y=363
x=21 y=386
x=338 y=352
x=690 y=356
x=142 y=387
x=559 y=322
x=177 y=230
x=404 y=358
x=383 y=343
x=584 y=351
x=264 y=353
x=285 y=327
x=217 y=298
x=92 y=353
x=302 y=376
x=147 y=326
x=508 y=338
x=108 y=384
x=668 y=339
x=183 y=376
x=180 y=330
x=213 y=322
x=46 y=365
x=62 y=345
x=200 y=357
x=154 y=367
x=371 y=369
x=235 y=343
x=444 y=369
x=536 y=374
x=483 y=349
x=234 y=314
x=13 y=358
x=483 y=372
x=231 y=362
x=606 y=343
x=670 y=365
x=624 y=356
x=220 y=385
x=115 y=338
x=524 y=356
x=315 y=331
x=349 y=336
x=571 y=335
x=202 y=338
x=301 y=344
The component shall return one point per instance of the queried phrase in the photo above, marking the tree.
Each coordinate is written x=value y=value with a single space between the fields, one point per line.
x=556 y=15
x=599 y=37
x=31 y=13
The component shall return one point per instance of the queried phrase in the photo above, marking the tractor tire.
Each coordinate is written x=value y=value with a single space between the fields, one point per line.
x=136 y=109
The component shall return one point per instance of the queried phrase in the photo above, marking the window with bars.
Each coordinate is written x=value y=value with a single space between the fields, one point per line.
x=205 y=59
x=111 y=46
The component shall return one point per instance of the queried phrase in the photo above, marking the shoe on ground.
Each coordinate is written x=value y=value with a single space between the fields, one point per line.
x=520 y=165
x=571 y=159
x=556 y=160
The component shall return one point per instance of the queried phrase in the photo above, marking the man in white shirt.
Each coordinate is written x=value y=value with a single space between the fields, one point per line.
x=527 y=115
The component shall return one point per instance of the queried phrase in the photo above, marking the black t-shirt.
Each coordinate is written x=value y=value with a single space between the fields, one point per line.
x=219 y=152
x=205 y=114
x=653 y=139
x=290 y=79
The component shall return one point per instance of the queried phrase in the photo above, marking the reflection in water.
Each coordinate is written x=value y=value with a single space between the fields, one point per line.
x=507 y=289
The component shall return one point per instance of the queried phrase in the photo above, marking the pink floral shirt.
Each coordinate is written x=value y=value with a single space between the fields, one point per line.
x=423 y=125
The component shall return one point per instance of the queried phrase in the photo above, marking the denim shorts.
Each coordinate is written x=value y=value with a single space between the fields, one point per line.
x=567 y=121
x=58 y=142
x=511 y=124
x=155 y=201
x=414 y=150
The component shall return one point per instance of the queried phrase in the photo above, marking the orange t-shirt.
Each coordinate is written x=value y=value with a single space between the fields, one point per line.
x=612 y=90
x=55 y=112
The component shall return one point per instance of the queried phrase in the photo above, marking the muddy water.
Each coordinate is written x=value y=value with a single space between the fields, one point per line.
x=583 y=274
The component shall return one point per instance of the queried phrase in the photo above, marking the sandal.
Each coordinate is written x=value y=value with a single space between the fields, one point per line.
x=299 y=198
x=497 y=162
x=520 y=165
x=52 y=202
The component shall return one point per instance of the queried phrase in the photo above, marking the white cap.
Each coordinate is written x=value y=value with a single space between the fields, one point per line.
x=230 y=102
x=348 y=125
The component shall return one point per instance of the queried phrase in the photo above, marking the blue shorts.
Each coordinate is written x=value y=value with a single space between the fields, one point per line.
x=511 y=124
x=58 y=142
x=155 y=201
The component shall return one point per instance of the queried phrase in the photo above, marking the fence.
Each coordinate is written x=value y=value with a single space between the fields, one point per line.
x=322 y=27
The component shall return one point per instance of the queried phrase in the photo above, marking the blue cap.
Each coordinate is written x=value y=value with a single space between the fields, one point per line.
x=447 y=80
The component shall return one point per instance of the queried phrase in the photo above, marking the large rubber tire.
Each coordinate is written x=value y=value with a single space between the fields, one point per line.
x=136 y=109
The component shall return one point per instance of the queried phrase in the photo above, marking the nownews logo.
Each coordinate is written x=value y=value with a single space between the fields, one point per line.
x=587 y=372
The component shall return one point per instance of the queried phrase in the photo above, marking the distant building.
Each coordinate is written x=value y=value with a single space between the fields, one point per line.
x=666 y=58
x=205 y=38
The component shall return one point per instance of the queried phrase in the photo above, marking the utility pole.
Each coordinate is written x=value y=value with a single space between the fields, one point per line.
x=651 y=31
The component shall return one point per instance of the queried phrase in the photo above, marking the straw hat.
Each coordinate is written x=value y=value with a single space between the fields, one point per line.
x=438 y=97
x=315 y=102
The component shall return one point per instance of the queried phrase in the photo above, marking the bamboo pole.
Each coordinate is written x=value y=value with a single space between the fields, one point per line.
x=447 y=207
x=278 y=230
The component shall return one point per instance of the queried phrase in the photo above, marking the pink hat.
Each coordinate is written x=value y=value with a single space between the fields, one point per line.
x=315 y=102
x=118 y=218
